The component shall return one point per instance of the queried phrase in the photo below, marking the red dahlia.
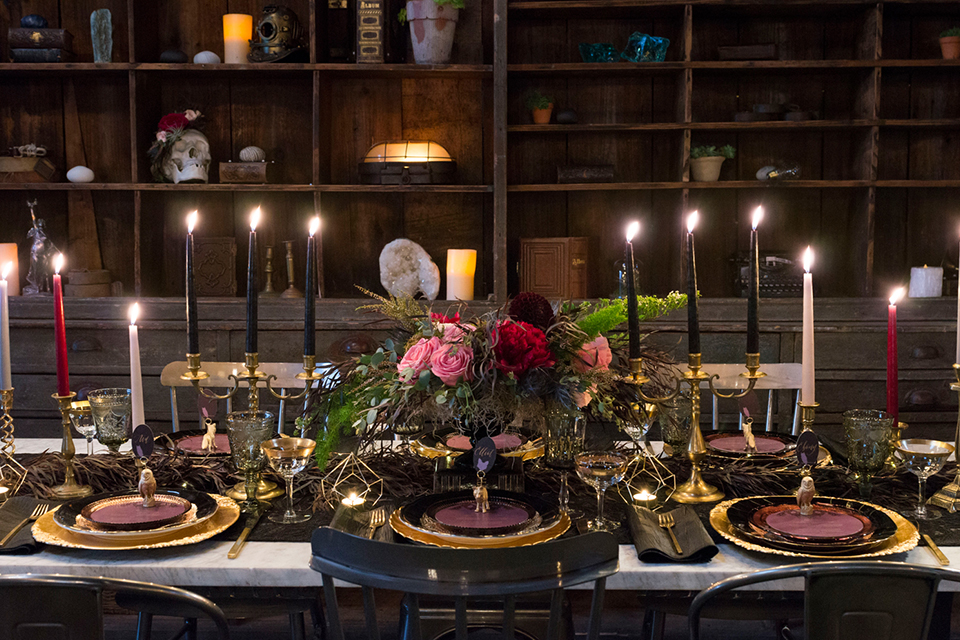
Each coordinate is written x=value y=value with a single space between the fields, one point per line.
x=520 y=347
x=173 y=121
x=532 y=308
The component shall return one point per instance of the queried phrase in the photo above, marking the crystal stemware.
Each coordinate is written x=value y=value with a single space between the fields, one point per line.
x=869 y=444
x=601 y=470
x=246 y=431
x=82 y=420
x=924 y=458
x=562 y=441
x=111 y=412
x=288 y=457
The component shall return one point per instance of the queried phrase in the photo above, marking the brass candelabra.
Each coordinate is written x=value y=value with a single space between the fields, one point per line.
x=70 y=487
x=12 y=473
x=949 y=497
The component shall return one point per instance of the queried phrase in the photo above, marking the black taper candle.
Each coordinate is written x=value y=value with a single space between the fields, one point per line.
x=693 y=308
x=753 y=302
x=193 y=329
x=310 y=297
x=633 y=315
x=252 y=289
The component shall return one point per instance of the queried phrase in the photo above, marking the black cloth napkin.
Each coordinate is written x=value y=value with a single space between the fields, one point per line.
x=14 y=511
x=356 y=521
x=653 y=542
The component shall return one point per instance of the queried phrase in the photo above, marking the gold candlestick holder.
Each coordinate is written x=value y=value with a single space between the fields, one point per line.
x=70 y=487
x=949 y=497
x=638 y=379
x=695 y=489
x=807 y=414
x=12 y=473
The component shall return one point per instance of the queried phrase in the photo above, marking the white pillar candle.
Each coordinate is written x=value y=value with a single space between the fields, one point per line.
x=237 y=30
x=461 y=268
x=807 y=368
x=136 y=380
x=6 y=379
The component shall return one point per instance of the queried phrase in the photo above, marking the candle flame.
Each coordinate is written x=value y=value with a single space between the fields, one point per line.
x=254 y=219
x=7 y=267
x=58 y=263
x=191 y=221
x=692 y=221
x=807 y=259
x=757 y=217
x=632 y=230
x=644 y=496
x=353 y=500
x=134 y=312
x=314 y=225
x=897 y=295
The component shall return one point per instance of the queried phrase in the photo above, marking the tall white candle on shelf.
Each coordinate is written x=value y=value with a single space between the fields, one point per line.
x=6 y=380
x=807 y=368
x=136 y=380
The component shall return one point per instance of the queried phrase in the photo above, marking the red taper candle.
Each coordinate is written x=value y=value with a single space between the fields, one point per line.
x=893 y=396
x=60 y=330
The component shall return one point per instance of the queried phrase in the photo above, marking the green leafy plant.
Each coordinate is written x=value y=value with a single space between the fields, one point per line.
x=536 y=100
x=402 y=16
x=710 y=151
x=952 y=32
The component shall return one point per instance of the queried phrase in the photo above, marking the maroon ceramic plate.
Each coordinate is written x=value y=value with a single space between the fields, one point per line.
x=731 y=444
x=827 y=522
x=127 y=513
x=459 y=517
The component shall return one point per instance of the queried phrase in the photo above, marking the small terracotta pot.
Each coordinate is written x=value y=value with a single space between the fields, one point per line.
x=950 y=47
x=542 y=116
x=706 y=169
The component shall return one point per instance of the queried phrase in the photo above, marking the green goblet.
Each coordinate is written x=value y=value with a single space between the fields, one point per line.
x=869 y=444
x=247 y=430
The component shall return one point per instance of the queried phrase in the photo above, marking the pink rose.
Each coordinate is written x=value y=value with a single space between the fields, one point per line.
x=417 y=358
x=161 y=136
x=583 y=398
x=454 y=332
x=451 y=363
x=594 y=355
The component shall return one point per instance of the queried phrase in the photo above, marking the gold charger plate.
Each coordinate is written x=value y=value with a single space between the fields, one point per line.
x=46 y=530
x=546 y=534
x=906 y=537
x=529 y=450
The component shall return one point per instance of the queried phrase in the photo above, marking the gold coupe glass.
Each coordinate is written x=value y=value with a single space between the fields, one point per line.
x=288 y=457
x=924 y=458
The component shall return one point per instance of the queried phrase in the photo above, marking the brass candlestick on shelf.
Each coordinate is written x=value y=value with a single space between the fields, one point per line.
x=70 y=488
x=949 y=497
x=12 y=473
x=268 y=291
x=291 y=291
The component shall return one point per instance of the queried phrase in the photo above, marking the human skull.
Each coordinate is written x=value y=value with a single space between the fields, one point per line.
x=189 y=159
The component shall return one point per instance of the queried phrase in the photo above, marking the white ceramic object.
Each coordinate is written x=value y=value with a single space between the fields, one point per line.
x=432 y=27
x=252 y=154
x=206 y=57
x=80 y=174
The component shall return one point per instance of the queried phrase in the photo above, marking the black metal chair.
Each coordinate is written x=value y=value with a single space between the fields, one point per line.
x=849 y=600
x=462 y=574
x=56 y=606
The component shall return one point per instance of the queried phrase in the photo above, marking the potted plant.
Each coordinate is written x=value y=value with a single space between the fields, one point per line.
x=950 y=43
x=705 y=161
x=540 y=106
x=432 y=25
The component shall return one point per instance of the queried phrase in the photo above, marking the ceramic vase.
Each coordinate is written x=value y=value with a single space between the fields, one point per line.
x=432 y=27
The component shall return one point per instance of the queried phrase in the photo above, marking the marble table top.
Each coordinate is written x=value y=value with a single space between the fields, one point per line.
x=286 y=564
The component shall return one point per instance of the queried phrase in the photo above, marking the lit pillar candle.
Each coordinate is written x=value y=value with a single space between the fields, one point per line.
x=893 y=398
x=753 y=302
x=253 y=264
x=193 y=329
x=461 y=268
x=693 y=307
x=310 y=299
x=136 y=380
x=8 y=253
x=237 y=30
x=633 y=315
x=807 y=382
x=60 y=330
x=6 y=379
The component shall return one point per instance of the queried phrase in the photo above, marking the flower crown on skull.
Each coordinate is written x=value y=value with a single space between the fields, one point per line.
x=169 y=130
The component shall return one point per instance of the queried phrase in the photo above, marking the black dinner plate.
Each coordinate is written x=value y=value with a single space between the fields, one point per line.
x=66 y=515
x=840 y=549
x=412 y=514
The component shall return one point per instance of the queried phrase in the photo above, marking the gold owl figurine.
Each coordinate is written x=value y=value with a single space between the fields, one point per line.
x=805 y=496
x=147 y=487
x=209 y=442
x=750 y=442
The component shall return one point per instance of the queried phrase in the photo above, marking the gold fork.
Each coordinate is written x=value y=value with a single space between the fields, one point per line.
x=37 y=512
x=378 y=518
x=666 y=521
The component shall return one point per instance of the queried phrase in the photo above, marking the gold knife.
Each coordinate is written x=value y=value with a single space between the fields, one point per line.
x=252 y=521
x=935 y=550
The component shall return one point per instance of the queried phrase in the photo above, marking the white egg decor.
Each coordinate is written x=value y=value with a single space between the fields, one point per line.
x=80 y=174
x=252 y=154
x=206 y=57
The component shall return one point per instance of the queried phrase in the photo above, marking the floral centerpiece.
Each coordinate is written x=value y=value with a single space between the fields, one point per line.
x=487 y=373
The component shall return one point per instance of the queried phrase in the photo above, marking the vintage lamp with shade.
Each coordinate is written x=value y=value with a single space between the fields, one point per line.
x=407 y=162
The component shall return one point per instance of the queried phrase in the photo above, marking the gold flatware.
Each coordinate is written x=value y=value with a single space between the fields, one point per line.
x=377 y=518
x=37 y=512
x=666 y=522
x=237 y=547
x=935 y=550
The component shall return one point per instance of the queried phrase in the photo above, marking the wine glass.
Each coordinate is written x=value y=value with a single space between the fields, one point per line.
x=247 y=430
x=923 y=458
x=288 y=457
x=82 y=420
x=562 y=441
x=112 y=416
x=601 y=470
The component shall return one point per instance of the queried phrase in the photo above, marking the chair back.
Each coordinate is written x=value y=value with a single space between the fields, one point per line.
x=41 y=607
x=464 y=573
x=780 y=376
x=850 y=600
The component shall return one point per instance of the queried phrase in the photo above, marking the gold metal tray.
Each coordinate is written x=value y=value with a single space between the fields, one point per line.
x=903 y=540
x=46 y=530
x=546 y=534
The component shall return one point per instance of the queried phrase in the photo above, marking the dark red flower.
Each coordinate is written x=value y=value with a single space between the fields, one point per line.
x=173 y=121
x=439 y=317
x=520 y=347
x=532 y=308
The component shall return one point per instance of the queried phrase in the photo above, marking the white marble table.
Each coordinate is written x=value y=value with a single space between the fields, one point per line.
x=285 y=564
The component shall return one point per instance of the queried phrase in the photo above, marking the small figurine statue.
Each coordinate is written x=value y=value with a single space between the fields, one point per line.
x=805 y=496
x=147 y=487
x=42 y=251
x=481 y=495
x=750 y=442
x=209 y=442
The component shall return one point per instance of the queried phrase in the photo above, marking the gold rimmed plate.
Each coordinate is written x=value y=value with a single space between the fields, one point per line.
x=549 y=532
x=70 y=515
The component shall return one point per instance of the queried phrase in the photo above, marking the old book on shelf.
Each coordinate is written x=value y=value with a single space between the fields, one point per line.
x=215 y=266
x=555 y=267
x=40 y=39
x=371 y=21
